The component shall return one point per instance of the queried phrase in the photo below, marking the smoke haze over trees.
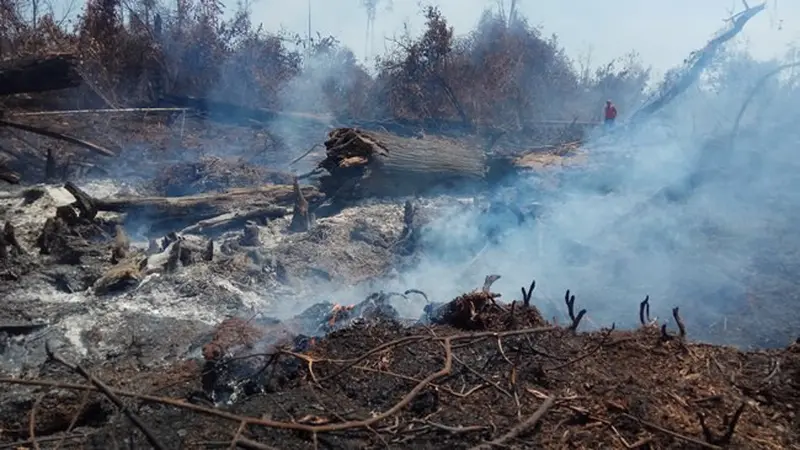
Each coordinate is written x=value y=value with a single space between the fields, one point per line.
x=503 y=73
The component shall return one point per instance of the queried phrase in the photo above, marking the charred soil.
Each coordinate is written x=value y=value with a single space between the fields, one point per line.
x=163 y=346
x=523 y=383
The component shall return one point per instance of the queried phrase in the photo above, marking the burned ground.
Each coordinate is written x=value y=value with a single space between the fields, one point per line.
x=184 y=328
x=382 y=384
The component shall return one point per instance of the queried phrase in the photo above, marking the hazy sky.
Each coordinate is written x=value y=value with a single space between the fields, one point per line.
x=663 y=32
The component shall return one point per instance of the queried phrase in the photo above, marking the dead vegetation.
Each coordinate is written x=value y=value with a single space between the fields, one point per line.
x=473 y=372
x=514 y=380
x=138 y=52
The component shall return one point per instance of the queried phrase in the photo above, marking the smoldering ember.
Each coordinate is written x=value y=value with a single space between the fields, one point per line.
x=218 y=237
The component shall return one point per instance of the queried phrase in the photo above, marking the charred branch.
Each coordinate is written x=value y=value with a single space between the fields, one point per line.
x=208 y=254
x=9 y=236
x=526 y=295
x=50 y=165
x=83 y=201
x=697 y=62
x=575 y=318
x=730 y=424
x=681 y=327
x=301 y=216
x=409 y=211
x=418 y=292
x=3 y=248
x=644 y=311
x=168 y=213
x=60 y=136
x=665 y=336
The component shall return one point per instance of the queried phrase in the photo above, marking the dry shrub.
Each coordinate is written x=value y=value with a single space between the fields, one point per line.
x=502 y=74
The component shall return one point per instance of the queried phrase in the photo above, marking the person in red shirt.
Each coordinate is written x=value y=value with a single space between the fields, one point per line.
x=610 y=114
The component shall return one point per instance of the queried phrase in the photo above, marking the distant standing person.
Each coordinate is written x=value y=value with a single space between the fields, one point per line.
x=610 y=114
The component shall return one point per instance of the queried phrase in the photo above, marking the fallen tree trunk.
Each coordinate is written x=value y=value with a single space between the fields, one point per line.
x=39 y=74
x=372 y=164
x=167 y=214
x=696 y=63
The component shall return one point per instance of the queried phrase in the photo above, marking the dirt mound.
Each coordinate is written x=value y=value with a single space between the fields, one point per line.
x=522 y=383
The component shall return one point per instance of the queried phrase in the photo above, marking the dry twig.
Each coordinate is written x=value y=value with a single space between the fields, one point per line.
x=522 y=427
x=42 y=440
x=32 y=421
x=363 y=423
x=151 y=437
x=75 y=418
x=675 y=435
x=589 y=353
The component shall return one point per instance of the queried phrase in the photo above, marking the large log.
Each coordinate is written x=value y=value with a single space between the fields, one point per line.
x=166 y=214
x=373 y=164
x=32 y=74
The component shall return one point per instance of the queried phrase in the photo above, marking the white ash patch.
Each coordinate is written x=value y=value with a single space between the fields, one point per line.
x=28 y=218
x=208 y=292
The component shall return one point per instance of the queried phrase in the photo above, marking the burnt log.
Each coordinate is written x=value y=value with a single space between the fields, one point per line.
x=373 y=164
x=167 y=214
x=31 y=75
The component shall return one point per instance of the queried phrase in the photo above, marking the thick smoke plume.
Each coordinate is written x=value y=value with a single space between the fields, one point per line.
x=678 y=207
x=672 y=209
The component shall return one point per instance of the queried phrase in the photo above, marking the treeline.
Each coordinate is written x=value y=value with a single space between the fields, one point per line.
x=504 y=73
